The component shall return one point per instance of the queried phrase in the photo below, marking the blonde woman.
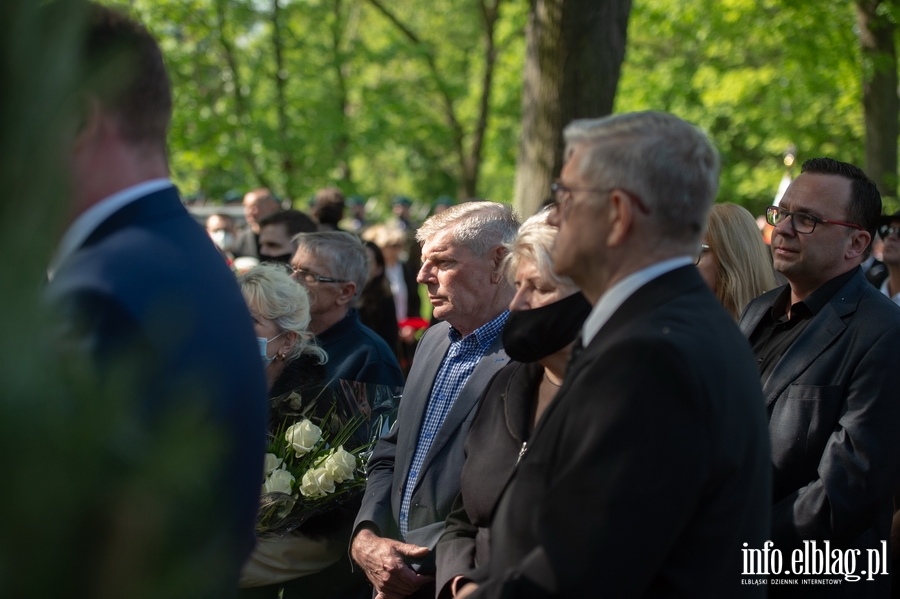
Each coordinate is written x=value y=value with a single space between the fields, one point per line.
x=312 y=559
x=735 y=261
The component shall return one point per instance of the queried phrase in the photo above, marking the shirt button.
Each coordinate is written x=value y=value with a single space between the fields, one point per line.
x=413 y=473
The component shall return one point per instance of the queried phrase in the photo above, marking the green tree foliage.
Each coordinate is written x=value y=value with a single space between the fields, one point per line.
x=299 y=94
x=757 y=75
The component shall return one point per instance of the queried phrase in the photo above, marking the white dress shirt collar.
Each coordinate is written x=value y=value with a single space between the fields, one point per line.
x=616 y=295
x=88 y=221
x=884 y=290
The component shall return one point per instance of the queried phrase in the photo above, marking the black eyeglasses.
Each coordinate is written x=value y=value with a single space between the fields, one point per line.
x=802 y=223
x=562 y=196
x=312 y=278
x=703 y=249
x=884 y=231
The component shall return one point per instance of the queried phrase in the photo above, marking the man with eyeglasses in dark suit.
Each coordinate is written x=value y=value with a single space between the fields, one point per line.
x=333 y=267
x=828 y=351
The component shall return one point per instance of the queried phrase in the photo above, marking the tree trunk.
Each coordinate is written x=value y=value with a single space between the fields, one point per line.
x=572 y=65
x=879 y=86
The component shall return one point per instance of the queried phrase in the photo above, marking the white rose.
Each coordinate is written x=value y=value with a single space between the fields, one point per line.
x=340 y=465
x=272 y=462
x=303 y=436
x=296 y=401
x=279 y=481
x=317 y=482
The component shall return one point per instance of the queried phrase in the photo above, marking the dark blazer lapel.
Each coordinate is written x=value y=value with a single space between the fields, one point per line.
x=824 y=328
x=757 y=309
x=493 y=360
x=431 y=356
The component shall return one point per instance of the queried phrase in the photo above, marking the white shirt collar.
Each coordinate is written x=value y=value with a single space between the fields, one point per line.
x=884 y=290
x=88 y=221
x=616 y=295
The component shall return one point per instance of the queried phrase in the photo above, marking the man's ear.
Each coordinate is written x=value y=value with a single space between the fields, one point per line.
x=859 y=241
x=347 y=291
x=290 y=340
x=621 y=218
x=497 y=255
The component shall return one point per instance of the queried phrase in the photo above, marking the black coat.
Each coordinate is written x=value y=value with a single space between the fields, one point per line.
x=651 y=467
x=492 y=449
x=833 y=418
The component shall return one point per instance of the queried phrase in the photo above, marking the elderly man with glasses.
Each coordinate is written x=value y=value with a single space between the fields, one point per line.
x=332 y=266
x=828 y=351
x=650 y=469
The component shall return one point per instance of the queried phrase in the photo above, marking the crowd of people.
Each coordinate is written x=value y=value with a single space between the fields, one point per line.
x=629 y=394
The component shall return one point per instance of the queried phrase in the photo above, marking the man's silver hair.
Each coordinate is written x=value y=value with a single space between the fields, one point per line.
x=342 y=253
x=480 y=226
x=670 y=164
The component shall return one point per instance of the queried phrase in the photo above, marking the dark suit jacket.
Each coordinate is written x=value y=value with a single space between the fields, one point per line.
x=492 y=447
x=357 y=353
x=246 y=244
x=438 y=480
x=834 y=417
x=651 y=467
x=149 y=293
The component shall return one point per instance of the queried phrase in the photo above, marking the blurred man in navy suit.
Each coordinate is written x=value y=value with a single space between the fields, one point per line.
x=152 y=309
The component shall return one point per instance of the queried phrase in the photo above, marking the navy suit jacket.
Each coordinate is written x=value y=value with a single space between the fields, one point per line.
x=834 y=417
x=148 y=295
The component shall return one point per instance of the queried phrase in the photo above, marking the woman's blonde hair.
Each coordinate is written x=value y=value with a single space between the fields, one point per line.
x=271 y=293
x=743 y=262
x=533 y=243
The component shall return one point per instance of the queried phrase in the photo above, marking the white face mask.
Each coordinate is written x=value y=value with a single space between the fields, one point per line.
x=264 y=347
x=223 y=239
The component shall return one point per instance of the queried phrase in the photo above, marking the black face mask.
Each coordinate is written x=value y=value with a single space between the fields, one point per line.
x=282 y=259
x=530 y=335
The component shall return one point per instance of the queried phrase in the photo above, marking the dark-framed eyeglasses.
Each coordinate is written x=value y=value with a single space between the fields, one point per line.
x=562 y=196
x=802 y=223
x=703 y=249
x=885 y=231
x=310 y=278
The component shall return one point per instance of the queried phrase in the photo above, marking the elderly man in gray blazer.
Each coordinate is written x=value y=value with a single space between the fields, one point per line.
x=414 y=472
x=828 y=351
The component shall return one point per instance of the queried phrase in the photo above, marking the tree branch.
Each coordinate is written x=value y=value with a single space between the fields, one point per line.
x=456 y=129
x=240 y=103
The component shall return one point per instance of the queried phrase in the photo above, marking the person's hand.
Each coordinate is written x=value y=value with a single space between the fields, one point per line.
x=382 y=561
x=466 y=590
x=408 y=334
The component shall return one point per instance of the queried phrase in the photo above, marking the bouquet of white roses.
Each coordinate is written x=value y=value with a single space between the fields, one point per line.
x=316 y=461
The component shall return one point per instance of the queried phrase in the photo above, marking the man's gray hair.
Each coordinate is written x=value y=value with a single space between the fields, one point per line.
x=342 y=253
x=480 y=226
x=670 y=164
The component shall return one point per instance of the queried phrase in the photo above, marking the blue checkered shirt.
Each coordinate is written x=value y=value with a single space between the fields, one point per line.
x=459 y=363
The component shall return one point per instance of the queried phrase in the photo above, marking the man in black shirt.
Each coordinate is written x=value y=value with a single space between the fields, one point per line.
x=828 y=350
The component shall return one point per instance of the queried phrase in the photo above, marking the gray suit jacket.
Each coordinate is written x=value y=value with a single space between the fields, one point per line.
x=834 y=420
x=438 y=481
